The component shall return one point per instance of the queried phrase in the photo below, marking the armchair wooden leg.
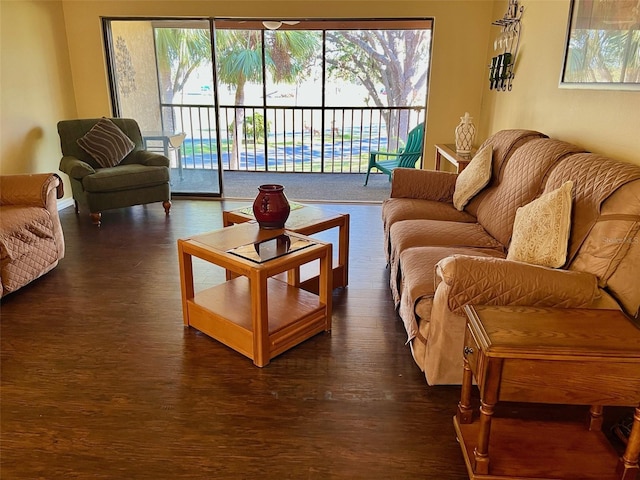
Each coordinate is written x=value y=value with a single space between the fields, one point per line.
x=95 y=218
x=167 y=206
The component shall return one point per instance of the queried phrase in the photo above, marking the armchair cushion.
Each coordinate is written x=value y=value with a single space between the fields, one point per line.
x=473 y=178
x=106 y=143
x=541 y=229
x=125 y=177
x=496 y=281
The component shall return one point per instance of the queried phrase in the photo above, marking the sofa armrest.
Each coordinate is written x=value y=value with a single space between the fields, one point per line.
x=29 y=189
x=423 y=184
x=150 y=159
x=75 y=167
x=497 y=281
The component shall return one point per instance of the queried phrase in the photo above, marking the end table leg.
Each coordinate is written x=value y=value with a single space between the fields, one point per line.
x=186 y=280
x=325 y=284
x=343 y=250
x=628 y=465
x=595 y=418
x=481 y=452
x=465 y=413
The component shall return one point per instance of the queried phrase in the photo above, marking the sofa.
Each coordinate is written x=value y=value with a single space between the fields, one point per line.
x=442 y=258
x=31 y=237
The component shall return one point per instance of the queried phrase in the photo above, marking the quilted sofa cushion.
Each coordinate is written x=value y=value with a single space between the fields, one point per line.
x=418 y=233
x=523 y=181
x=398 y=209
x=504 y=144
x=125 y=177
x=419 y=279
x=27 y=245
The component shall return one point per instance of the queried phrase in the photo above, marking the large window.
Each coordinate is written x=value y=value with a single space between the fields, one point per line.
x=310 y=96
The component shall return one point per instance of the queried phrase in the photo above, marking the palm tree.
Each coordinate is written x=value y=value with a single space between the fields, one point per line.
x=239 y=59
x=179 y=52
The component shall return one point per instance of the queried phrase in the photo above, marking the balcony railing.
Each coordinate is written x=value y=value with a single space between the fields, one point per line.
x=287 y=139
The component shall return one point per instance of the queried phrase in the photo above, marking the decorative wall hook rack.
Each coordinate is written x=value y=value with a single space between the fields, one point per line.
x=502 y=65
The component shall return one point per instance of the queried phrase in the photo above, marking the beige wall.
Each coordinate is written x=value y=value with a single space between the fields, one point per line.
x=35 y=85
x=602 y=121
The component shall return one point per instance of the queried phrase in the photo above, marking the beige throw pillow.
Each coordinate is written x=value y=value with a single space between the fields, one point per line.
x=541 y=229
x=106 y=143
x=473 y=178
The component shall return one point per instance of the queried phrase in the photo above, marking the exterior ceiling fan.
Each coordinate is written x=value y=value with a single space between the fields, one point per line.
x=276 y=24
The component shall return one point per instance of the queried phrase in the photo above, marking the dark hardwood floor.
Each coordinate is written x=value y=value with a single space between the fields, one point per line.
x=101 y=380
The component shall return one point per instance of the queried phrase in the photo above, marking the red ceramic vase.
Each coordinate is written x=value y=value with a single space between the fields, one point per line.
x=271 y=207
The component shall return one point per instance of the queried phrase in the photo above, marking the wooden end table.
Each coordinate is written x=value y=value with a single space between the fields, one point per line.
x=448 y=152
x=255 y=314
x=308 y=220
x=549 y=356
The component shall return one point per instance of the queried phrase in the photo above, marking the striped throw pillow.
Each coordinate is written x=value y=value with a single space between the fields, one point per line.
x=106 y=143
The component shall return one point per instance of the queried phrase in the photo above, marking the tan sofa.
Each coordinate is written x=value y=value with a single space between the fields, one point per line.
x=31 y=237
x=441 y=259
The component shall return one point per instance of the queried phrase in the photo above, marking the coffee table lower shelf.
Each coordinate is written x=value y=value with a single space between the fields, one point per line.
x=223 y=312
x=534 y=450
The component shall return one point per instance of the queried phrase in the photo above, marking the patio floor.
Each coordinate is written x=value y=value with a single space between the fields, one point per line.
x=325 y=187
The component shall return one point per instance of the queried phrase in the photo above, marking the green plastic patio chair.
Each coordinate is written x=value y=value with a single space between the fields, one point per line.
x=405 y=157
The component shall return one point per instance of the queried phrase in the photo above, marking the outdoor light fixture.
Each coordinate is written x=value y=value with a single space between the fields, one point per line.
x=276 y=24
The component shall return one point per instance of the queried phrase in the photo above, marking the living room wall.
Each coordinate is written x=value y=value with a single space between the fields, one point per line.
x=603 y=121
x=36 y=85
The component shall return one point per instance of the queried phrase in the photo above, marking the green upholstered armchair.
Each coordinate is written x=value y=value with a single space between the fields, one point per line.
x=141 y=177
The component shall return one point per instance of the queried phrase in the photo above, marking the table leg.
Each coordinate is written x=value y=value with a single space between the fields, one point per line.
x=260 y=318
x=628 y=465
x=293 y=277
x=343 y=250
x=465 y=412
x=595 y=418
x=481 y=452
x=186 y=280
x=325 y=286
x=179 y=159
x=438 y=159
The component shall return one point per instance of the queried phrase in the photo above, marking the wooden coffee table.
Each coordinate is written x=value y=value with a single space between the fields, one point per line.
x=252 y=312
x=548 y=356
x=308 y=220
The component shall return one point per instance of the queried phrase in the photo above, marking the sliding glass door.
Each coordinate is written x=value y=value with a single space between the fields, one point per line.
x=243 y=95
